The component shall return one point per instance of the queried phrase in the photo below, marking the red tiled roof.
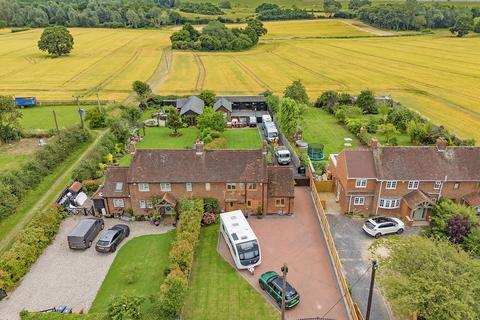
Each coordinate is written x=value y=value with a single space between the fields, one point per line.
x=360 y=164
x=281 y=182
x=75 y=187
x=113 y=176
x=472 y=199
x=154 y=165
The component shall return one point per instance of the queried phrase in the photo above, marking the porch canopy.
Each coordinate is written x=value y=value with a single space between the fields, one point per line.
x=417 y=198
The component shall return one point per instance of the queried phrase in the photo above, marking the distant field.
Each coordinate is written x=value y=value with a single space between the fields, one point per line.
x=107 y=60
x=42 y=117
x=437 y=75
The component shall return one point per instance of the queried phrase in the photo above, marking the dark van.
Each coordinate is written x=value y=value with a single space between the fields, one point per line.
x=84 y=233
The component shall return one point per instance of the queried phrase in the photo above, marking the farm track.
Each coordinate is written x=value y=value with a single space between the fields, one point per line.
x=368 y=29
x=251 y=74
x=202 y=72
x=42 y=202
x=107 y=55
x=318 y=74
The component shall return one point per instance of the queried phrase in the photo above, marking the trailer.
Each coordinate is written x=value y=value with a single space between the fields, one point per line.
x=25 y=101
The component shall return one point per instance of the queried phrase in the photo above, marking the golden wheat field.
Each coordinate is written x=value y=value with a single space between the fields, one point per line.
x=438 y=75
x=103 y=60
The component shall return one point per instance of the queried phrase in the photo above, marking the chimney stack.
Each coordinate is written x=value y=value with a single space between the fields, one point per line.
x=374 y=144
x=199 y=147
x=441 y=144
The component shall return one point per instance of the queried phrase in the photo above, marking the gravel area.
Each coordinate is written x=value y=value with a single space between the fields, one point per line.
x=62 y=276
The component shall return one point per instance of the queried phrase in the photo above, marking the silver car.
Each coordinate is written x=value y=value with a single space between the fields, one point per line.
x=379 y=226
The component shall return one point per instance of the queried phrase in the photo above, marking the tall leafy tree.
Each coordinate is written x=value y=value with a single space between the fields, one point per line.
x=9 y=120
x=208 y=96
x=462 y=26
x=174 y=121
x=366 y=101
x=296 y=91
x=289 y=117
x=56 y=40
x=212 y=120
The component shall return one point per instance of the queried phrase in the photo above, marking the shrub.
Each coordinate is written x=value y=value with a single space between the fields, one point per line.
x=210 y=205
x=28 y=246
x=208 y=218
x=217 y=144
x=327 y=100
x=172 y=294
x=181 y=254
x=366 y=101
x=354 y=125
x=472 y=241
x=458 y=228
x=125 y=307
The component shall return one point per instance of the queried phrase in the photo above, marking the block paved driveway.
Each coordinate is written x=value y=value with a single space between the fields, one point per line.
x=62 y=276
x=298 y=241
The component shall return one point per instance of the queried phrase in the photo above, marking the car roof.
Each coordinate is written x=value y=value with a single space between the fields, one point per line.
x=379 y=220
x=107 y=236
x=278 y=282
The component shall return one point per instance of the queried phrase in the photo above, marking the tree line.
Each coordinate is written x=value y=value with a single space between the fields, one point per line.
x=272 y=11
x=215 y=36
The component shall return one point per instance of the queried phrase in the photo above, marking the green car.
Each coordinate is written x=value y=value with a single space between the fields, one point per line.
x=271 y=282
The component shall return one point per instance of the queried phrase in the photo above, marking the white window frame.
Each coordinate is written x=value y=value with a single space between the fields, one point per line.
x=143 y=187
x=359 y=201
x=165 y=186
x=456 y=185
x=118 y=203
x=437 y=184
x=189 y=186
x=207 y=186
x=231 y=186
x=360 y=183
x=391 y=185
x=118 y=186
x=142 y=204
x=413 y=184
x=252 y=186
x=149 y=204
x=389 y=203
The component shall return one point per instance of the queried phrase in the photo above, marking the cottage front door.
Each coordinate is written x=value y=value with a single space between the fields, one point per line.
x=419 y=213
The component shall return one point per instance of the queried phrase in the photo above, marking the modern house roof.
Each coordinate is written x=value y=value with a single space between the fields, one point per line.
x=472 y=199
x=193 y=104
x=280 y=181
x=181 y=166
x=114 y=176
x=360 y=164
x=239 y=99
x=222 y=102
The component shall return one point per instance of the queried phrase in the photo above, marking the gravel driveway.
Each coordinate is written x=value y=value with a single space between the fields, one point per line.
x=352 y=244
x=62 y=276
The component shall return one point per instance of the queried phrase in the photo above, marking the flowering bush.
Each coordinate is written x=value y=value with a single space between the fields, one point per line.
x=208 y=218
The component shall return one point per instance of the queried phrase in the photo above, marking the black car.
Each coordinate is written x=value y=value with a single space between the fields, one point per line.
x=112 y=238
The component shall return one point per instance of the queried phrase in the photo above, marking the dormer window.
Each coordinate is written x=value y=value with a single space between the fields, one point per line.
x=119 y=187
x=361 y=183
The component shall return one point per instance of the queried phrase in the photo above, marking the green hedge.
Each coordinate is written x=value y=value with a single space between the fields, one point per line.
x=15 y=184
x=170 y=299
x=59 y=316
x=28 y=246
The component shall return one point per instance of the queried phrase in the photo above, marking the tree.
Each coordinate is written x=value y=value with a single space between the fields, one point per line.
x=289 y=117
x=120 y=130
x=9 y=120
x=458 y=228
x=142 y=89
x=273 y=103
x=331 y=6
x=431 y=277
x=225 y=5
x=327 y=100
x=208 y=96
x=418 y=131
x=366 y=101
x=476 y=26
x=472 y=241
x=400 y=117
x=56 y=40
x=125 y=307
x=462 y=26
x=131 y=114
x=96 y=118
x=297 y=92
x=212 y=120
x=445 y=211
x=174 y=121
x=390 y=132
x=357 y=4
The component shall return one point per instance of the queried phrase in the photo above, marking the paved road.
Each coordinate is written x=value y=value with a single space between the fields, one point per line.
x=62 y=276
x=352 y=245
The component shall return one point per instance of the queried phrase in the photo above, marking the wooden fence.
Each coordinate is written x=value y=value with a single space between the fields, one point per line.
x=324 y=186
x=352 y=308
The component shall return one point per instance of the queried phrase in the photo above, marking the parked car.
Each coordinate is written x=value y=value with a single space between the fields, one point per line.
x=112 y=238
x=82 y=236
x=283 y=155
x=271 y=282
x=252 y=121
x=379 y=226
x=266 y=118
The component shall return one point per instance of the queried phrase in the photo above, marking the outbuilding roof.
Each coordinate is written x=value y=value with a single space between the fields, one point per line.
x=193 y=104
x=222 y=102
x=239 y=99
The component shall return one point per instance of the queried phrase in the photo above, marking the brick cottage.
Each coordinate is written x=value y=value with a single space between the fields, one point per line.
x=239 y=179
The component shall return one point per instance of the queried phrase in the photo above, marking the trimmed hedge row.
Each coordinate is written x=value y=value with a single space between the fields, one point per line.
x=172 y=293
x=24 y=315
x=28 y=246
x=14 y=184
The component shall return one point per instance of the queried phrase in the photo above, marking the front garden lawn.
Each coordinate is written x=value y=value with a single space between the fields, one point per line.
x=243 y=138
x=137 y=269
x=160 y=138
x=217 y=290
x=323 y=128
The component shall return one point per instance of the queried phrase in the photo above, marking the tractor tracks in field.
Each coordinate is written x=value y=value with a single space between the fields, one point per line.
x=202 y=72
x=251 y=74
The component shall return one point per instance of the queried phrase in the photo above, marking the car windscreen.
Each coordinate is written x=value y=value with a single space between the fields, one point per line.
x=248 y=250
x=283 y=155
x=369 y=225
x=103 y=243
x=272 y=134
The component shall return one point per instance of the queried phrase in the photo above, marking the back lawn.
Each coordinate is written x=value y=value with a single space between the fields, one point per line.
x=322 y=127
x=160 y=138
x=41 y=117
x=244 y=138
x=137 y=269
x=217 y=291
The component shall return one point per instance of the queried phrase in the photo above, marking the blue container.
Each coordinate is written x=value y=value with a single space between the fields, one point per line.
x=25 y=101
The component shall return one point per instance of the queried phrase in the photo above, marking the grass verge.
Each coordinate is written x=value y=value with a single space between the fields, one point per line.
x=217 y=291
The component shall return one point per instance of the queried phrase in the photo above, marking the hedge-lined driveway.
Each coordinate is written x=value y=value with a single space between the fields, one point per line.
x=62 y=276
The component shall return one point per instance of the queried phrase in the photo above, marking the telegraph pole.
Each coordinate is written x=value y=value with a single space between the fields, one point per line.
x=98 y=101
x=80 y=112
x=56 y=122
x=370 y=294
x=284 y=288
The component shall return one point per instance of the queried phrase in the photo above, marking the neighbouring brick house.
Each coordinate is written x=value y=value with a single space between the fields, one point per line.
x=405 y=181
x=239 y=179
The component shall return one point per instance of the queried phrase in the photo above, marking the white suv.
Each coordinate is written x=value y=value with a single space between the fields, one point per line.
x=379 y=226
